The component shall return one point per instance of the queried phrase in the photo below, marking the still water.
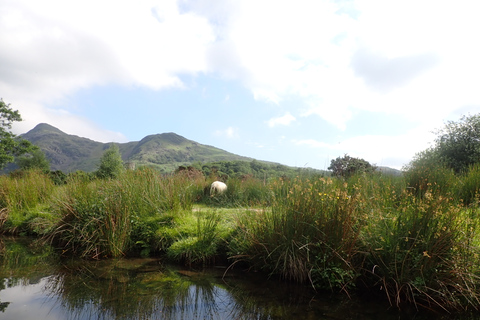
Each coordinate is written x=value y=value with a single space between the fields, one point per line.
x=36 y=284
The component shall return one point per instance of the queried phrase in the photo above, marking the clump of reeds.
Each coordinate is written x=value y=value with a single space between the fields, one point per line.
x=419 y=250
x=196 y=241
x=431 y=176
x=23 y=198
x=112 y=217
x=468 y=188
x=309 y=233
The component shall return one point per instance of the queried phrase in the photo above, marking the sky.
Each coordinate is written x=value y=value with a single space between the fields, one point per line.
x=295 y=82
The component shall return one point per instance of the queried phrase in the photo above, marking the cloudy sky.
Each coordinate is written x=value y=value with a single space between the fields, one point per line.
x=297 y=82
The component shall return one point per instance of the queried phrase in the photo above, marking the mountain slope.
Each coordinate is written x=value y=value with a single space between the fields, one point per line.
x=164 y=151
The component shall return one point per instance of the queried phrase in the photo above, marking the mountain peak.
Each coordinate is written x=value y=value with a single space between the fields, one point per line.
x=165 y=151
x=44 y=127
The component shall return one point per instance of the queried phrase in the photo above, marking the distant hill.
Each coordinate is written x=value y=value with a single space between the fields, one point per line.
x=166 y=151
x=389 y=171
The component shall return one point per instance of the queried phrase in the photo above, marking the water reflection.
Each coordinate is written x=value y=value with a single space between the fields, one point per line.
x=35 y=284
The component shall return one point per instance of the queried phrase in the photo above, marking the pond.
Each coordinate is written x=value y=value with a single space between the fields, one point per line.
x=36 y=284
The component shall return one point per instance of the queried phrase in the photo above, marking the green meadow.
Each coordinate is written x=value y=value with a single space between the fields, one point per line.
x=410 y=240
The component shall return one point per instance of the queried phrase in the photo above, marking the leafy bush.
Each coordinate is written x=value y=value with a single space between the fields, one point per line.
x=347 y=166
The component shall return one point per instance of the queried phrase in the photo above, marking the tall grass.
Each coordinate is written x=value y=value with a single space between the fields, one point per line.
x=23 y=198
x=108 y=218
x=468 y=189
x=369 y=231
x=309 y=233
x=245 y=191
x=415 y=250
x=413 y=239
x=200 y=243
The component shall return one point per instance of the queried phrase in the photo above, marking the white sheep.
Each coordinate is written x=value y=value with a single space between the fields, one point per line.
x=217 y=187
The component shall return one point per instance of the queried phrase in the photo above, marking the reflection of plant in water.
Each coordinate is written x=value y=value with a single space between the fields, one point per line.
x=137 y=289
x=23 y=265
x=17 y=260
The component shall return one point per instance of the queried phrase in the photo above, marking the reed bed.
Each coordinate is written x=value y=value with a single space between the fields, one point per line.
x=23 y=198
x=412 y=240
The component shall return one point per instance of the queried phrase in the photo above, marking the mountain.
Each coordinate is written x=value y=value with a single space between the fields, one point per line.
x=164 y=151
x=389 y=171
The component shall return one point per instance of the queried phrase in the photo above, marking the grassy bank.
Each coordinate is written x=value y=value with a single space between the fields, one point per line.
x=412 y=240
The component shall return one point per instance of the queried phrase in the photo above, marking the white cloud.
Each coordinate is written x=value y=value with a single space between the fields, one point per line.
x=53 y=48
x=418 y=60
x=312 y=143
x=64 y=121
x=284 y=120
x=229 y=133
x=377 y=149
x=399 y=58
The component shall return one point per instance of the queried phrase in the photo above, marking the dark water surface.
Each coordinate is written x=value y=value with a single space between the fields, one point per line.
x=36 y=284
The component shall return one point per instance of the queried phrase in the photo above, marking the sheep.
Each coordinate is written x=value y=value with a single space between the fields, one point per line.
x=217 y=187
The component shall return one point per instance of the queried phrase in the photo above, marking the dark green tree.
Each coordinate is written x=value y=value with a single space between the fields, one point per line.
x=347 y=166
x=34 y=159
x=10 y=145
x=458 y=143
x=111 y=163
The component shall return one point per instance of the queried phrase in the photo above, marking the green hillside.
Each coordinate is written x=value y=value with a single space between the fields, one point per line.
x=166 y=151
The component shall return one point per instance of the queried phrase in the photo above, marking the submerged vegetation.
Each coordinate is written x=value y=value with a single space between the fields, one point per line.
x=411 y=239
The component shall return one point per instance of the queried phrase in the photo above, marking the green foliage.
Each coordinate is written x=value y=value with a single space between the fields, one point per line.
x=347 y=166
x=35 y=159
x=257 y=169
x=458 y=143
x=421 y=253
x=201 y=243
x=58 y=177
x=414 y=238
x=112 y=217
x=241 y=192
x=10 y=145
x=23 y=198
x=111 y=163
x=468 y=187
x=425 y=174
x=311 y=226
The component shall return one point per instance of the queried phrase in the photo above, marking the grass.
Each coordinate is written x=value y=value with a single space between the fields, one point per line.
x=413 y=240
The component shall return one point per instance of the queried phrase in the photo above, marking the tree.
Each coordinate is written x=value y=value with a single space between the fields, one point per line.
x=458 y=143
x=35 y=159
x=10 y=145
x=347 y=166
x=111 y=163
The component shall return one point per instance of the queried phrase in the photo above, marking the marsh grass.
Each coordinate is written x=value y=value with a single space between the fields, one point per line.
x=432 y=177
x=310 y=228
x=413 y=239
x=415 y=249
x=197 y=242
x=23 y=199
x=468 y=190
x=111 y=217
x=245 y=191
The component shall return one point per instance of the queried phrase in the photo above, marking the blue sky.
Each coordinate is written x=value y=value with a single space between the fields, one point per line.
x=296 y=82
